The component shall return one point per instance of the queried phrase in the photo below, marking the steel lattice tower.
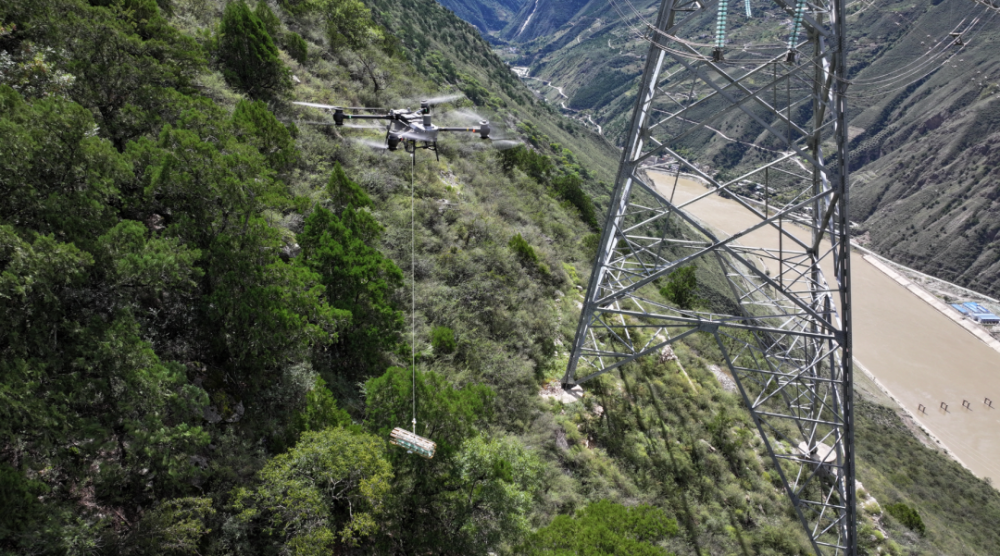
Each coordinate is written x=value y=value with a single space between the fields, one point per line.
x=786 y=331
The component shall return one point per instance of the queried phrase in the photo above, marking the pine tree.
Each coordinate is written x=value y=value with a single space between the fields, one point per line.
x=296 y=47
x=340 y=247
x=266 y=16
x=248 y=55
x=254 y=124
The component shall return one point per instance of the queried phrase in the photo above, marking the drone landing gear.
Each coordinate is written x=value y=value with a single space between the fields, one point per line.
x=411 y=147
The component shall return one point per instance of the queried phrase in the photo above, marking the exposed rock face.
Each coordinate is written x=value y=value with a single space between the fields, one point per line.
x=554 y=391
x=561 y=441
x=667 y=354
x=290 y=251
x=822 y=454
x=727 y=382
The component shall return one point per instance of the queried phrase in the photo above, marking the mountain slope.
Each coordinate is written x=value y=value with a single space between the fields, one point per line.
x=923 y=117
x=925 y=166
x=211 y=301
x=541 y=18
x=487 y=15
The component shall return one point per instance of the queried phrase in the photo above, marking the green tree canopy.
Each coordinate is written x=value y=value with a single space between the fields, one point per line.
x=343 y=191
x=357 y=277
x=56 y=177
x=130 y=66
x=327 y=490
x=499 y=478
x=321 y=411
x=268 y=18
x=445 y=414
x=255 y=125
x=570 y=188
x=473 y=496
x=248 y=55
x=681 y=286
x=605 y=529
x=348 y=23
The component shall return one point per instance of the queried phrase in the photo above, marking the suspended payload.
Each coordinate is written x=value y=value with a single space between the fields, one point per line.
x=412 y=443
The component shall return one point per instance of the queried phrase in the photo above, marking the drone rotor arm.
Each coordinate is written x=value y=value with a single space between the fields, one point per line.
x=483 y=130
x=366 y=117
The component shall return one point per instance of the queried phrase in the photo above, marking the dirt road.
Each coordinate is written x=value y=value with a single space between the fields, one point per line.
x=916 y=352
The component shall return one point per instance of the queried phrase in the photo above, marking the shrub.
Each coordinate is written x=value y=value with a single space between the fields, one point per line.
x=348 y=24
x=523 y=250
x=680 y=288
x=443 y=339
x=526 y=253
x=296 y=7
x=590 y=243
x=296 y=47
x=605 y=529
x=248 y=56
x=570 y=188
x=872 y=507
x=907 y=516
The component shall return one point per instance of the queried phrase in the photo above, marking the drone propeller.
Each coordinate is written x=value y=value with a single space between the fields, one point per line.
x=504 y=144
x=361 y=126
x=483 y=130
x=432 y=101
x=370 y=143
x=444 y=98
x=331 y=107
x=464 y=115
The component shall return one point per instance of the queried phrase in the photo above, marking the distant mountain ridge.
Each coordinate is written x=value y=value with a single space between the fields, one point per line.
x=925 y=126
x=540 y=18
x=488 y=16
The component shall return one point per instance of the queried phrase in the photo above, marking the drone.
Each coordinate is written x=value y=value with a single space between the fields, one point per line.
x=411 y=129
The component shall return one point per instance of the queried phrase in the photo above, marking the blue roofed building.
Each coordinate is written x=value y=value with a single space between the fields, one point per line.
x=977 y=312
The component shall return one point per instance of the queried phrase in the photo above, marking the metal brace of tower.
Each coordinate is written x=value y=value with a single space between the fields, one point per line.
x=771 y=118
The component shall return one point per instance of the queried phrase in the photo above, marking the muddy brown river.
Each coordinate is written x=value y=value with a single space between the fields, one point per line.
x=916 y=352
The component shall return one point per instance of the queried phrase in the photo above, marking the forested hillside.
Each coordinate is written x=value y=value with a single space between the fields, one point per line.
x=206 y=308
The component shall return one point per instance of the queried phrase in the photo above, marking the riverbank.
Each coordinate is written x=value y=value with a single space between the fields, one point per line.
x=917 y=354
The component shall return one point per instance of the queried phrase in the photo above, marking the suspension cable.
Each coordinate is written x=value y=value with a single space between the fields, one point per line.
x=413 y=294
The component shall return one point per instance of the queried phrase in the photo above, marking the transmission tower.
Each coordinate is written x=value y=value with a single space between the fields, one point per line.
x=772 y=115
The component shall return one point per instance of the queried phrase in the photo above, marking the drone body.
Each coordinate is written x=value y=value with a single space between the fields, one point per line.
x=406 y=127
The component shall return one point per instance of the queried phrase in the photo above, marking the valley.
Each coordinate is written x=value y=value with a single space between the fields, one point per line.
x=917 y=353
x=925 y=151
x=220 y=306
